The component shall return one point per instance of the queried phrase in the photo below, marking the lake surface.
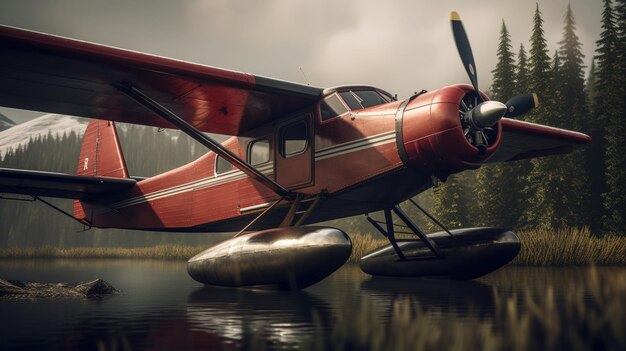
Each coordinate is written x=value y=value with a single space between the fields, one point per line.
x=162 y=308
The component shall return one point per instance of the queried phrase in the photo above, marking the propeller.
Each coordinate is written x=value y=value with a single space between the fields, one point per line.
x=521 y=104
x=479 y=117
x=464 y=48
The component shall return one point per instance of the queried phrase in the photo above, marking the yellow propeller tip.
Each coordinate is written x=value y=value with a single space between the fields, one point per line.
x=454 y=16
x=536 y=100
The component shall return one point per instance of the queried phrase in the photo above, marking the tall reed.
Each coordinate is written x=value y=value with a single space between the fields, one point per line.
x=570 y=247
x=563 y=247
x=573 y=321
x=541 y=247
x=173 y=252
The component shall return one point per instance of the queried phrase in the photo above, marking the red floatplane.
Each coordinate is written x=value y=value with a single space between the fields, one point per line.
x=299 y=155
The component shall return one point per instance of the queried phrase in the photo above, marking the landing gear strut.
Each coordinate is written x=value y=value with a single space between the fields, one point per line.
x=465 y=253
x=390 y=231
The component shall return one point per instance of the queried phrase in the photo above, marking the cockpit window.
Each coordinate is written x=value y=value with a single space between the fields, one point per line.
x=222 y=166
x=259 y=152
x=332 y=107
x=357 y=100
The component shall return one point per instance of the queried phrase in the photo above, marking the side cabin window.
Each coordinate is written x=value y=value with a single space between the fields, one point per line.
x=331 y=107
x=222 y=166
x=259 y=152
x=294 y=139
x=360 y=99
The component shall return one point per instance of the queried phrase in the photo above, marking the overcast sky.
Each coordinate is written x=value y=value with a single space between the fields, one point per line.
x=400 y=46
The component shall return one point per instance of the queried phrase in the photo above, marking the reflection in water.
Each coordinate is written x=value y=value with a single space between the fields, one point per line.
x=461 y=297
x=162 y=308
x=279 y=317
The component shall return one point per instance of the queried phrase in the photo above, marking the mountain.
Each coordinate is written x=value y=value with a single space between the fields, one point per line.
x=5 y=122
x=20 y=134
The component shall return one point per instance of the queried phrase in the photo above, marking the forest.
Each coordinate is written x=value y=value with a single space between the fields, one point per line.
x=582 y=189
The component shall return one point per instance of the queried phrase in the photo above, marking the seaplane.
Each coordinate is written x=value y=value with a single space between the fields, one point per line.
x=298 y=155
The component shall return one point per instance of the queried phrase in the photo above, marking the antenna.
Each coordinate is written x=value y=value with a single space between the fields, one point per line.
x=306 y=79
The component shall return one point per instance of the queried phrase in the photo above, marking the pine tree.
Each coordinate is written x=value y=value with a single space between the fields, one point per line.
x=546 y=192
x=572 y=73
x=597 y=181
x=603 y=97
x=539 y=63
x=33 y=224
x=497 y=188
x=574 y=115
x=522 y=76
x=521 y=169
x=536 y=190
x=451 y=202
x=611 y=85
x=591 y=87
x=504 y=74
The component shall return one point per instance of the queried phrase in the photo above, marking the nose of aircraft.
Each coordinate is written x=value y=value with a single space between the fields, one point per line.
x=486 y=114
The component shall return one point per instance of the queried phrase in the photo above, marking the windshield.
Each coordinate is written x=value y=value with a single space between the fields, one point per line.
x=332 y=107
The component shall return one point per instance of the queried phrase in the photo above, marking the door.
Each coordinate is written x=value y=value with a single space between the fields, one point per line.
x=294 y=151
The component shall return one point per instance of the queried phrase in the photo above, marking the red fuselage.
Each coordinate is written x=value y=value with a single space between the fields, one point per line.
x=360 y=160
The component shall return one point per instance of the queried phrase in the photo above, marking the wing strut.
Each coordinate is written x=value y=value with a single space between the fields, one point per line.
x=202 y=138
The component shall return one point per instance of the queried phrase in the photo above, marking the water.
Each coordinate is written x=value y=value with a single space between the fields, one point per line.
x=162 y=308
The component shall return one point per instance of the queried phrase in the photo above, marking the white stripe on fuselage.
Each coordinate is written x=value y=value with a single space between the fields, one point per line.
x=267 y=169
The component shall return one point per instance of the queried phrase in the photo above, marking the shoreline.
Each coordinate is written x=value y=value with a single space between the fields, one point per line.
x=565 y=247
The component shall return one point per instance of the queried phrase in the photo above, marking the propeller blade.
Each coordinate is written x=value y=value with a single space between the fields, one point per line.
x=521 y=104
x=464 y=48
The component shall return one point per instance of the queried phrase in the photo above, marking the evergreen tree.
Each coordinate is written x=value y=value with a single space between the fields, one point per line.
x=497 y=188
x=613 y=82
x=451 y=202
x=521 y=169
x=573 y=114
x=545 y=186
x=591 y=87
x=504 y=74
x=603 y=97
x=539 y=63
x=536 y=189
x=522 y=75
x=34 y=224
x=573 y=75
x=597 y=181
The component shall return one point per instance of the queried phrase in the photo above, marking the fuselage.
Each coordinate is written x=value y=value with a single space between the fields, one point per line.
x=358 y=149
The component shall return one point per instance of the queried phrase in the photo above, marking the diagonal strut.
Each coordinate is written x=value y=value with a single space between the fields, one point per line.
x=200 y=137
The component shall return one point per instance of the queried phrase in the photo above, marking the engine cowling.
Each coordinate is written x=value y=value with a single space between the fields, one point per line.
x=435 y=132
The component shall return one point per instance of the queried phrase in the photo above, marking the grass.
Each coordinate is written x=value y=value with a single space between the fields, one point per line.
x=565 y=247
x=570 y=247
x=573 y=320
x=168 y=252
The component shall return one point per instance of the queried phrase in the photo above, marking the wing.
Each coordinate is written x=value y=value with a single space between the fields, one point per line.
x=36 y=183
x=521 y=140
x=48 y=73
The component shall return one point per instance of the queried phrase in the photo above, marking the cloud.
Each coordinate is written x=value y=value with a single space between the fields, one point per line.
x=401 y=46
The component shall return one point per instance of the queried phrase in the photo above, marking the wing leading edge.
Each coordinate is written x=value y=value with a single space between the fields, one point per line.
x=49 y=73
x=61 y=185
x=523 y=140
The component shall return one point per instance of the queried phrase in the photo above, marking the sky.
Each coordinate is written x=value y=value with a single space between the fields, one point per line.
x=400 y=46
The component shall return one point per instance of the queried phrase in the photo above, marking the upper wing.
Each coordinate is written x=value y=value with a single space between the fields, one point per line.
x=36 y=183
x=521 y=140
x=48 y=73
